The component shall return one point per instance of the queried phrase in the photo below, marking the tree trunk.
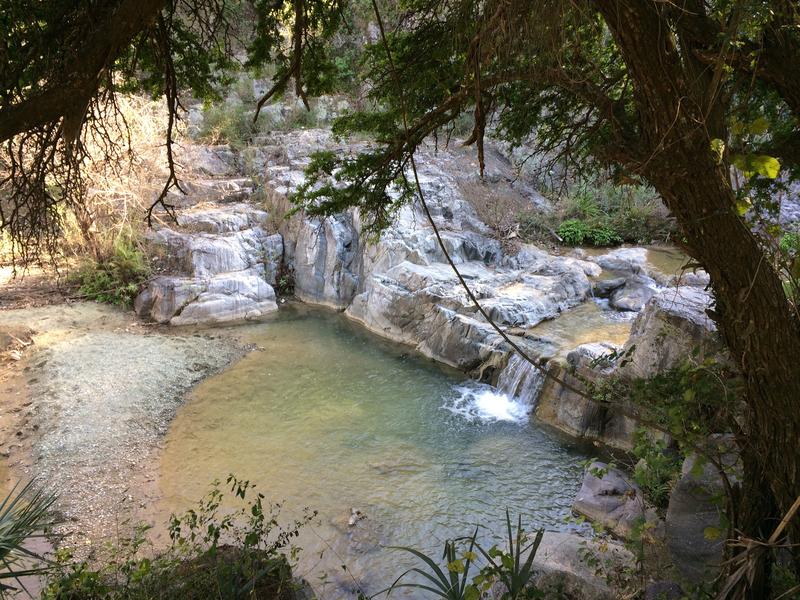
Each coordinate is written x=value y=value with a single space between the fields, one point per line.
x=753 y=314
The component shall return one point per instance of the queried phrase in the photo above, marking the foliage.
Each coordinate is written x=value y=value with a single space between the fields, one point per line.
x=24 y=515
x=116 y=278
x=658 y=468
x=510 y=567
x=215 y=552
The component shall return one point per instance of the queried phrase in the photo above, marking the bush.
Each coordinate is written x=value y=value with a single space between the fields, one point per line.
x=227 y=124
x=601 y=214
x=115 y=279
x=658 y=469
x=575 y=232
x=215 y=553
x=790 y=243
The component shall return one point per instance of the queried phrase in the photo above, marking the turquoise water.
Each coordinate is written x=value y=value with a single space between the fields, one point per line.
x=329 y=417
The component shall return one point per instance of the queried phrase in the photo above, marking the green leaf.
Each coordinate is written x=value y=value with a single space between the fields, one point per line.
x=757 y=164
x=759 y=126
x=718 y=148
x=688 y=395
x=766 y=166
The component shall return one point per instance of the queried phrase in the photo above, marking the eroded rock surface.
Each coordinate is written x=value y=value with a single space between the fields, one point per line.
x=609 y=498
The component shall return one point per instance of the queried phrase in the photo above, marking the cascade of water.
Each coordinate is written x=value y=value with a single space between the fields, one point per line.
x=521 y=380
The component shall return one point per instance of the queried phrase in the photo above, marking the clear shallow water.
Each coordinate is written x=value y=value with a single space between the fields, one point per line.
x=329 y=417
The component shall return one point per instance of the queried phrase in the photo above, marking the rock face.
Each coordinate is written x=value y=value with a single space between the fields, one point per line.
x=223 y=256
x=402 y=287
x=695 y=536
x=671 y=327
x=609 y=498
x=573 y=413
x=228 y=265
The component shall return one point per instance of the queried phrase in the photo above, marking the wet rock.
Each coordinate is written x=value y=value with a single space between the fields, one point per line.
x=609 y=498
x=633 y=295
x=623 y=260
x=573 y=413
x=605 y=287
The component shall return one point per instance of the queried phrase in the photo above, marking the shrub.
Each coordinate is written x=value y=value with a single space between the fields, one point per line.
x=658 y=469
x=511 y=568
x=790 y=243
x=573 y=231
x=115 y=279
x=227 y=124
x=215 y=553
x=602 y=214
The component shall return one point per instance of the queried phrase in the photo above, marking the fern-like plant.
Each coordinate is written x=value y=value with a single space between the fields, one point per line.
x=24 y=515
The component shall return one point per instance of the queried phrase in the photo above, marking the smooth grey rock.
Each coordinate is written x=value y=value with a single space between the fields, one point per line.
x=575 y=414
x=695 y=505
x=633 y=295
x=670 y=327
x=579 y=568
x=623 y=260
x=613 y=501
x=326 y=261
x=224 y=266
x=605 y=287
x=663 y=590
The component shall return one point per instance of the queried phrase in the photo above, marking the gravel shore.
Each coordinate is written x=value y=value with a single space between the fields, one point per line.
x=84 y=406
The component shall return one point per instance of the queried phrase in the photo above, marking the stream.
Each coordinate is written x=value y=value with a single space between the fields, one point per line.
x=327 y=416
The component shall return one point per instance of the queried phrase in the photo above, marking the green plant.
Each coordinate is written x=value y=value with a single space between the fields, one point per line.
x=24 y=515
x=116 y=278
x=217 y=551
x=573 y=231
x=604 y=235
x=790 y=243
x=510 y=567
x=657 y=470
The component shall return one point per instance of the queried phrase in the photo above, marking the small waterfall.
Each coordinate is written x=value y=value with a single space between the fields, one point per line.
x=521 y=380
x=513 y=400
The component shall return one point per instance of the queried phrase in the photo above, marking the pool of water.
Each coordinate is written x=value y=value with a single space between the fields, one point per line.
x=329 y=417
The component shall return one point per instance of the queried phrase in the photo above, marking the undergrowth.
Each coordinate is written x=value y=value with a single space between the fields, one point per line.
x=599 y=213
x=215 y=552
x=115 y=278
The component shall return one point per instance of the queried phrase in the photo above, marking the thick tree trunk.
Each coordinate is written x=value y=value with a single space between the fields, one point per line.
x=751 y=309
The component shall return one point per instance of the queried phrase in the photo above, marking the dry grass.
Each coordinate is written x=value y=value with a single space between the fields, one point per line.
x=499 y=206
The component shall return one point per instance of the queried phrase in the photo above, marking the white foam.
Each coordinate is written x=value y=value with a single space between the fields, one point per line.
x=480 y=402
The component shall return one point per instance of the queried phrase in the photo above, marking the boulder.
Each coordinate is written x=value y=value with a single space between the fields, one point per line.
x=672 y=326
x=634 y=294
x=609 y=498
x=575 y=414
x=603 y=288
x=694 y=532
x=572 y=567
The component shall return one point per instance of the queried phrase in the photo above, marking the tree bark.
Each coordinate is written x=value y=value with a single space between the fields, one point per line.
x=752 y=311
